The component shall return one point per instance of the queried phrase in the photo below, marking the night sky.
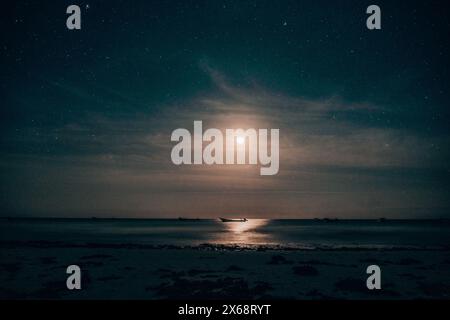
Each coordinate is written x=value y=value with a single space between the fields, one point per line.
x=86 y=115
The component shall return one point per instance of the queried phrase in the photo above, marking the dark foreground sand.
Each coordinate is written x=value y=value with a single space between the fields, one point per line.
x=32 y=272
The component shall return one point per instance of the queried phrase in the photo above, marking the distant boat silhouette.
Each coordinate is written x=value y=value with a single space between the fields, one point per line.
x=233 y=220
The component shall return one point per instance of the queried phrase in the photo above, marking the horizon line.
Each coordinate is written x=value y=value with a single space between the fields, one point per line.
x=216 y=218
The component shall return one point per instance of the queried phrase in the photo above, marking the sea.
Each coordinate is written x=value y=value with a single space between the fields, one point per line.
x=254 y=233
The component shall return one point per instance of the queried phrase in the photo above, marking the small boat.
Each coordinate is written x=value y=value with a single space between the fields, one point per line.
x=233 y=220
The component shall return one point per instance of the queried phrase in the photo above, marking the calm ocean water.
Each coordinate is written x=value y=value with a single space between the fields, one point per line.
x=255 y=232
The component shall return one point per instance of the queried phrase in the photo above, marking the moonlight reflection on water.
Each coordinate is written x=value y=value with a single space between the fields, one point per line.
x=248 y=232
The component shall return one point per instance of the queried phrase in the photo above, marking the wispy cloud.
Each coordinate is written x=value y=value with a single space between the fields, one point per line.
x=326 y=160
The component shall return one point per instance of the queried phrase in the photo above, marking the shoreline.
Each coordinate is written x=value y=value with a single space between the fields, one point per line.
x=214 y=246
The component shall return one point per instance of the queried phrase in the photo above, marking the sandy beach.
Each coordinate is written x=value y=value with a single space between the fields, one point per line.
x=32 y=270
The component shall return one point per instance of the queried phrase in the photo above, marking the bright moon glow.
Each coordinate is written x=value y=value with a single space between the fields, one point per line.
x=240 y=140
